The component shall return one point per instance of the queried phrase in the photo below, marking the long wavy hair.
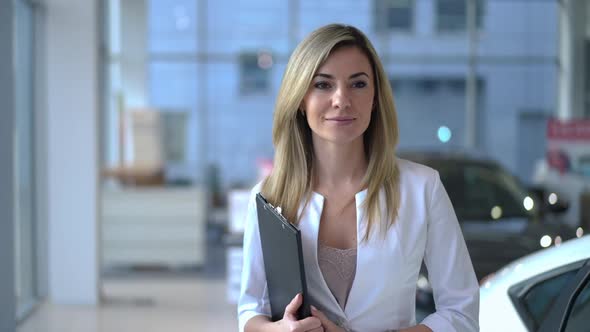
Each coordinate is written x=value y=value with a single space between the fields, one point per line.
x=290 y=183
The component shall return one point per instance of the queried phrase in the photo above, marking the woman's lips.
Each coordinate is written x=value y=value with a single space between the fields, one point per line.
x=342 y=119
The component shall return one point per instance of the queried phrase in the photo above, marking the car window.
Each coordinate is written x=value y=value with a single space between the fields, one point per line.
x=488 y=188
x=480 y=192
x=539 y=299
x=578 y=318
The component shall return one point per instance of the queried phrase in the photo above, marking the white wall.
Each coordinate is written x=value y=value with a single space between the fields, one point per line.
x=72 y=150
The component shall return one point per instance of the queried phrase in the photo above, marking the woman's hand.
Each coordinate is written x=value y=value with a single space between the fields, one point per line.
x=289 y=323
x=327 y=324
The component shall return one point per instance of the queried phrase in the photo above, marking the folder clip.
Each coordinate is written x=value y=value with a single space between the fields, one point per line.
x=278 y=209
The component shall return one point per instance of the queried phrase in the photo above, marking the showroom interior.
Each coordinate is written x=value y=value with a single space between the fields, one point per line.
x=132 y=131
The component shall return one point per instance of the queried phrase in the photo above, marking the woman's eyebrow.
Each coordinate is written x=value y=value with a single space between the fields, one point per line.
x=332 y=77
x=358 y=74
x=323 y=75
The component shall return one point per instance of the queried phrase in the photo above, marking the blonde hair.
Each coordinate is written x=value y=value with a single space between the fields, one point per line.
x=290 y=182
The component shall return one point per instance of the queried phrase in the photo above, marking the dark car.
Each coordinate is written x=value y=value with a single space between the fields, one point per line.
x=501 y=220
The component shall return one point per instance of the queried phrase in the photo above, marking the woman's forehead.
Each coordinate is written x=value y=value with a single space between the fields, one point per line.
x=346 y=60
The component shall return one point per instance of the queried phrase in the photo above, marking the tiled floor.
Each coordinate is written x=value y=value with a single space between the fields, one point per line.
x=144 y=305
x=151 y=301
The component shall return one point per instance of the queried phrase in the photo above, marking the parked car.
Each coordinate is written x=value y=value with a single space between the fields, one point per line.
x=501 y=220
x=545 y=291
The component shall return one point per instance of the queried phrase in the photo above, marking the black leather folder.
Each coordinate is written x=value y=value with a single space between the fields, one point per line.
x=283 y=260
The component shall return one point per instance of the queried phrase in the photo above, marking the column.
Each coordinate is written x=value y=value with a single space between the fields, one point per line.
x=571 y=81
x=72 y=150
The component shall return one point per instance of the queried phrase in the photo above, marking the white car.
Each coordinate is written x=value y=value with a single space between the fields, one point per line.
x=545 y=291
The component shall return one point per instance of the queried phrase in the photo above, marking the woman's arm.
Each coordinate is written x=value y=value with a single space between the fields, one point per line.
x=450 y=271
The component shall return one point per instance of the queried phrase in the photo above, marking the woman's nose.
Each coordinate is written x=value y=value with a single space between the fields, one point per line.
x=340 y=99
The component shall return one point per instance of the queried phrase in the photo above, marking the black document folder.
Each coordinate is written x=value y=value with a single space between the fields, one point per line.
x=283 y=260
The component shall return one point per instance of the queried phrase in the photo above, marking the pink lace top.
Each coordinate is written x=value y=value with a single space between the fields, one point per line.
x=338 y=267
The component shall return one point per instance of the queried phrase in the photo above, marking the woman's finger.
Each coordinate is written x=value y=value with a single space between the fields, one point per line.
x=319 y=329
x=309 y=324
x=291 y=308
x=326 y=323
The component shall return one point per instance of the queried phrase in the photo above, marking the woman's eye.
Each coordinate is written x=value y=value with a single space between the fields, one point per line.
x=359 y=84
x=322 y=85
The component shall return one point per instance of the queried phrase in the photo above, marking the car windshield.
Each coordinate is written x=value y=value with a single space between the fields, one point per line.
x=482 y=191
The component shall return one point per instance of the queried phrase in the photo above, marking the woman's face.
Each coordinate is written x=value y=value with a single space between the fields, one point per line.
x=339 y=102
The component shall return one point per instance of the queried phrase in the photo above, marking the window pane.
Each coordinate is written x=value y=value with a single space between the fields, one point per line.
x=452 y=14
x=173 y=84
x=578 y=319
x=439 y=99
x=253 y=78
x=174 y=90
x=172 y=26
x=393 y=15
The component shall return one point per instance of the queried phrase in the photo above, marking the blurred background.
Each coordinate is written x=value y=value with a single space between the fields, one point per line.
x=132 y=130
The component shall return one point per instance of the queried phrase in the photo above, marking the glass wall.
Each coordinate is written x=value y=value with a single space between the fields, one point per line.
x=211 y=71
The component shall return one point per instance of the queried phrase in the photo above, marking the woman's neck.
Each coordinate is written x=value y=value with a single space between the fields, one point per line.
x=337 y=166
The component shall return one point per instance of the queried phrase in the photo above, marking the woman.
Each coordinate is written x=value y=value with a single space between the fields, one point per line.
x=367 y=218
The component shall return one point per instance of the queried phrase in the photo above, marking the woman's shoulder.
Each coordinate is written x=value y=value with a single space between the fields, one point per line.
x=415 y=170
x=414 y=176
x=257 y=188
x=254 y=191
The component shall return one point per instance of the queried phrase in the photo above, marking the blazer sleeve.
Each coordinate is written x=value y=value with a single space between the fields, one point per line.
x=450 y=271
x=253 y=299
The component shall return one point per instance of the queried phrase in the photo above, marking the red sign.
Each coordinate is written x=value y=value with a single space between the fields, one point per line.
x=572 y=130
x=568 y=146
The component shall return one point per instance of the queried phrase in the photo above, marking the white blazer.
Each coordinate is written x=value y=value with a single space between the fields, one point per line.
x=383 y=293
